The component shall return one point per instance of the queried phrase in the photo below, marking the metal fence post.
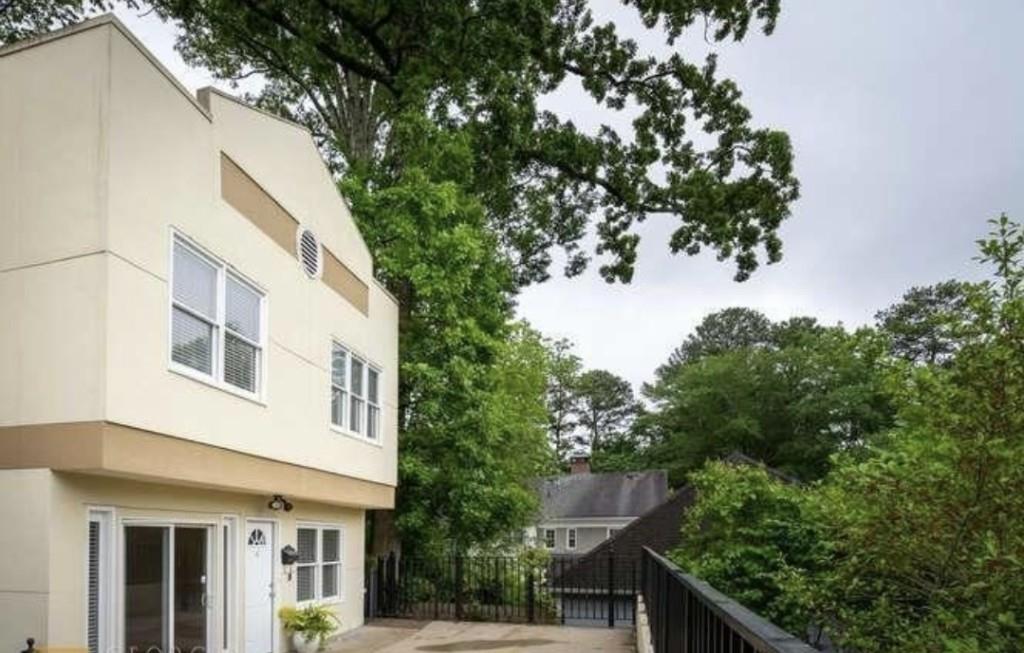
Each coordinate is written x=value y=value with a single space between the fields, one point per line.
x=531 y=598
x=391 y=573
x=611 y=589
x=458 y=588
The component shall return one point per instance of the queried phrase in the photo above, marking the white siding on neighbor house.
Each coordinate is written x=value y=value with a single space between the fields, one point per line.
x=589 y=533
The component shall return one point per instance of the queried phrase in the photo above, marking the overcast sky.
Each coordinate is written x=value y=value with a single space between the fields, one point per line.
x=907 y=119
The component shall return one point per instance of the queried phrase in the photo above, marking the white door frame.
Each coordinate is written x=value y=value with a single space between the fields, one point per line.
x=124 y=523
x=108 y=561
x=275 y=530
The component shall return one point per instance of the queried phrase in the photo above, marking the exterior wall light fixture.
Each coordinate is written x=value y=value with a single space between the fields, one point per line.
x=280 y=503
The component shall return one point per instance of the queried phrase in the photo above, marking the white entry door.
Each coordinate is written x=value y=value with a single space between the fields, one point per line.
x=259 y=587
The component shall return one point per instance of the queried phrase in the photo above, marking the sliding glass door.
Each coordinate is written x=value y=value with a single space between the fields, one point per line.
x=166 y=574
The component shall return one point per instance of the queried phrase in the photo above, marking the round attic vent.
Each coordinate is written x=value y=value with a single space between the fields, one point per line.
x=308 y=250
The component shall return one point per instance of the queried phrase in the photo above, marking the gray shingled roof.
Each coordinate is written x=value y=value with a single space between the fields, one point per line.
x=618 y=494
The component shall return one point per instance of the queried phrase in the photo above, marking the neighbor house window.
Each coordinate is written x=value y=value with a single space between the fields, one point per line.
x=571 y=538
x=217 y=327
x=549 y=538
x=355 y=394
x=319 y=567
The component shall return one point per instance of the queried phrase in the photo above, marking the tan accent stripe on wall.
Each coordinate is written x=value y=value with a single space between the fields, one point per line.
x=122 y=451
x=248 y=198
x=345 y=283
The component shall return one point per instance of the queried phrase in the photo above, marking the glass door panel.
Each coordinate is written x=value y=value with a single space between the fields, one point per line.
x=190 y=578
x=147 y=588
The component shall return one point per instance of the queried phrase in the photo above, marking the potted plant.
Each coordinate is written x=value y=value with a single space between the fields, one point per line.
x=309 y=626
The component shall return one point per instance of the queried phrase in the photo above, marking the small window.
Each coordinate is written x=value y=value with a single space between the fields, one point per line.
x=319 y=568
x=372 y=404
x=355 y=394
x=331 y=576
x=571 y=538
x=549 y=538
x=228 y=589
x=339 y=384
x=355 y=422
x=305 y=568
x=98 y=581
x=217 y=329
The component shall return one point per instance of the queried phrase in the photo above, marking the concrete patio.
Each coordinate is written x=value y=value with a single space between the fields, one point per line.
x=398 y=636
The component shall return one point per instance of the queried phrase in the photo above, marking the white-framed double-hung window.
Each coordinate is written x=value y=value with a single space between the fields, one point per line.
x=355 y=394
x=218 y=323
x=358 y=402
x=319 y=569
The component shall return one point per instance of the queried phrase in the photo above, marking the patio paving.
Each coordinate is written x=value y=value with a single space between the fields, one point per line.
x=395 y=636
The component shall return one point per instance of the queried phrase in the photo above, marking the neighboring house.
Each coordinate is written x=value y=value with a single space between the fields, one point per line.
x=659 y=529
x=582 y=509
x=198 y=372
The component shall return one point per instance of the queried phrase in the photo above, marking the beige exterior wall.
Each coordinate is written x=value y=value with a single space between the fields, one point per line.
x=101 y=156
x=52 y=208
x=42 y=588
x=25 y=569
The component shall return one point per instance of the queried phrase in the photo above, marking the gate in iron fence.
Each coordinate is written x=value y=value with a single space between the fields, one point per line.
x=583 y=590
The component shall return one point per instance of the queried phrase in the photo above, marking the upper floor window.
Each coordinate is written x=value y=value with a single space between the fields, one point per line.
x=355 y=394
x=549 y=538
x=571 y=538
x=217 y=322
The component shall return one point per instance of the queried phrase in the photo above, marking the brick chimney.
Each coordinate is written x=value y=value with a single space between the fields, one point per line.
x=579 y=465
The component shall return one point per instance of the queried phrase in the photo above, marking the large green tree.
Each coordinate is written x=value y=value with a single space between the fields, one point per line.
x=720 y=332
x=563 y=399
x=922 y=325
x=915 y=543
x=790 y=403
x=363 y=75
x=606 y=408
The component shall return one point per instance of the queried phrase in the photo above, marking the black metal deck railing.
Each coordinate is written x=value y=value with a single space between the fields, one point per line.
x=686 y=615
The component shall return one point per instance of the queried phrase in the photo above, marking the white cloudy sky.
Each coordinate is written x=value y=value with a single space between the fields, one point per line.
x=908 y=123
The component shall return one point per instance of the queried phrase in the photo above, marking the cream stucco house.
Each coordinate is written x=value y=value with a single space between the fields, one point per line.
x=197 y=368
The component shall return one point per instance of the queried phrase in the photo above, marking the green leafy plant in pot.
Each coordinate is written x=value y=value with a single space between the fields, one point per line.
x=309 y=626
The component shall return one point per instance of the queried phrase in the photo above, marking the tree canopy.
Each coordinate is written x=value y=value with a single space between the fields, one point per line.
x=789 y=394
x=914 y=542
x=365 y=76
x=922 y=324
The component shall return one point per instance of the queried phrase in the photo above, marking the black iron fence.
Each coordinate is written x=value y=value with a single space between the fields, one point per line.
x=687 y=614
x=575 y=590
